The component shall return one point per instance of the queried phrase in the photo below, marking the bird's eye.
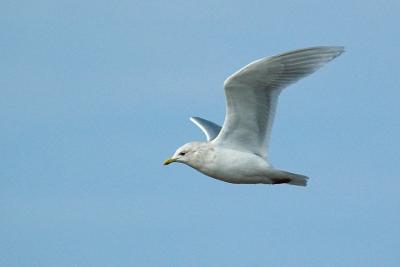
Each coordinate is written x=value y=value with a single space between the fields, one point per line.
x=182 y=154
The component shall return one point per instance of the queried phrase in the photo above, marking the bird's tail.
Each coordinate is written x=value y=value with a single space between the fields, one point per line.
x=284 y=177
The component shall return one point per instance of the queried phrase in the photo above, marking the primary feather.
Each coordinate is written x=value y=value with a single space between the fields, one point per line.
x=210 y=129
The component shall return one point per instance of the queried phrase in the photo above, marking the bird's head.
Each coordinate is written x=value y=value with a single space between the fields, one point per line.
x=188 y=153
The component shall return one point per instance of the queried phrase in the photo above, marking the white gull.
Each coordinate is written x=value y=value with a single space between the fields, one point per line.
x=237 y=152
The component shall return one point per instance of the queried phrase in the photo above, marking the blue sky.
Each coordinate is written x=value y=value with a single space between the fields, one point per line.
x=96 y=94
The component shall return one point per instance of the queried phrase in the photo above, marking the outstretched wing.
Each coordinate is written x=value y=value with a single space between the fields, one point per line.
x=252 y=93
x=210 y=129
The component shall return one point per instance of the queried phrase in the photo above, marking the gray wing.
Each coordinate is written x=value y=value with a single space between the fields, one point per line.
x=252 y=93
x=210 y=129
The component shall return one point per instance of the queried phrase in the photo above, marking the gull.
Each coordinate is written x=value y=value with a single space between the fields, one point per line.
x=237 y=152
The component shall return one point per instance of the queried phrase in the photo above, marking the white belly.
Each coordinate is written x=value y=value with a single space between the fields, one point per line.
x=236 y=167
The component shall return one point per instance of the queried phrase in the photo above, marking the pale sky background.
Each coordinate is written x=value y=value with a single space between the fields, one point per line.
x=96 y=94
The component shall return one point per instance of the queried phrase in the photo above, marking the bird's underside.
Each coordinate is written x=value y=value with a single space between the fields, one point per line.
x=251 y=94
x=240 y=167
x=274 y=177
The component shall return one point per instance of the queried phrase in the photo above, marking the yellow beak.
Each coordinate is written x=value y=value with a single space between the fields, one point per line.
x=169 y=161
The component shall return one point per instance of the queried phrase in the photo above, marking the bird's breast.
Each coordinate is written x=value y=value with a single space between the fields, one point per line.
x=233 y=166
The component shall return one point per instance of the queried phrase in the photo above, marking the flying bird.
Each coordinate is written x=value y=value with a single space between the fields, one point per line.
x=237 y=152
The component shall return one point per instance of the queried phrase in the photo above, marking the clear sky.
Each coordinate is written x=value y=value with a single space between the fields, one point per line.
x=94 y=95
